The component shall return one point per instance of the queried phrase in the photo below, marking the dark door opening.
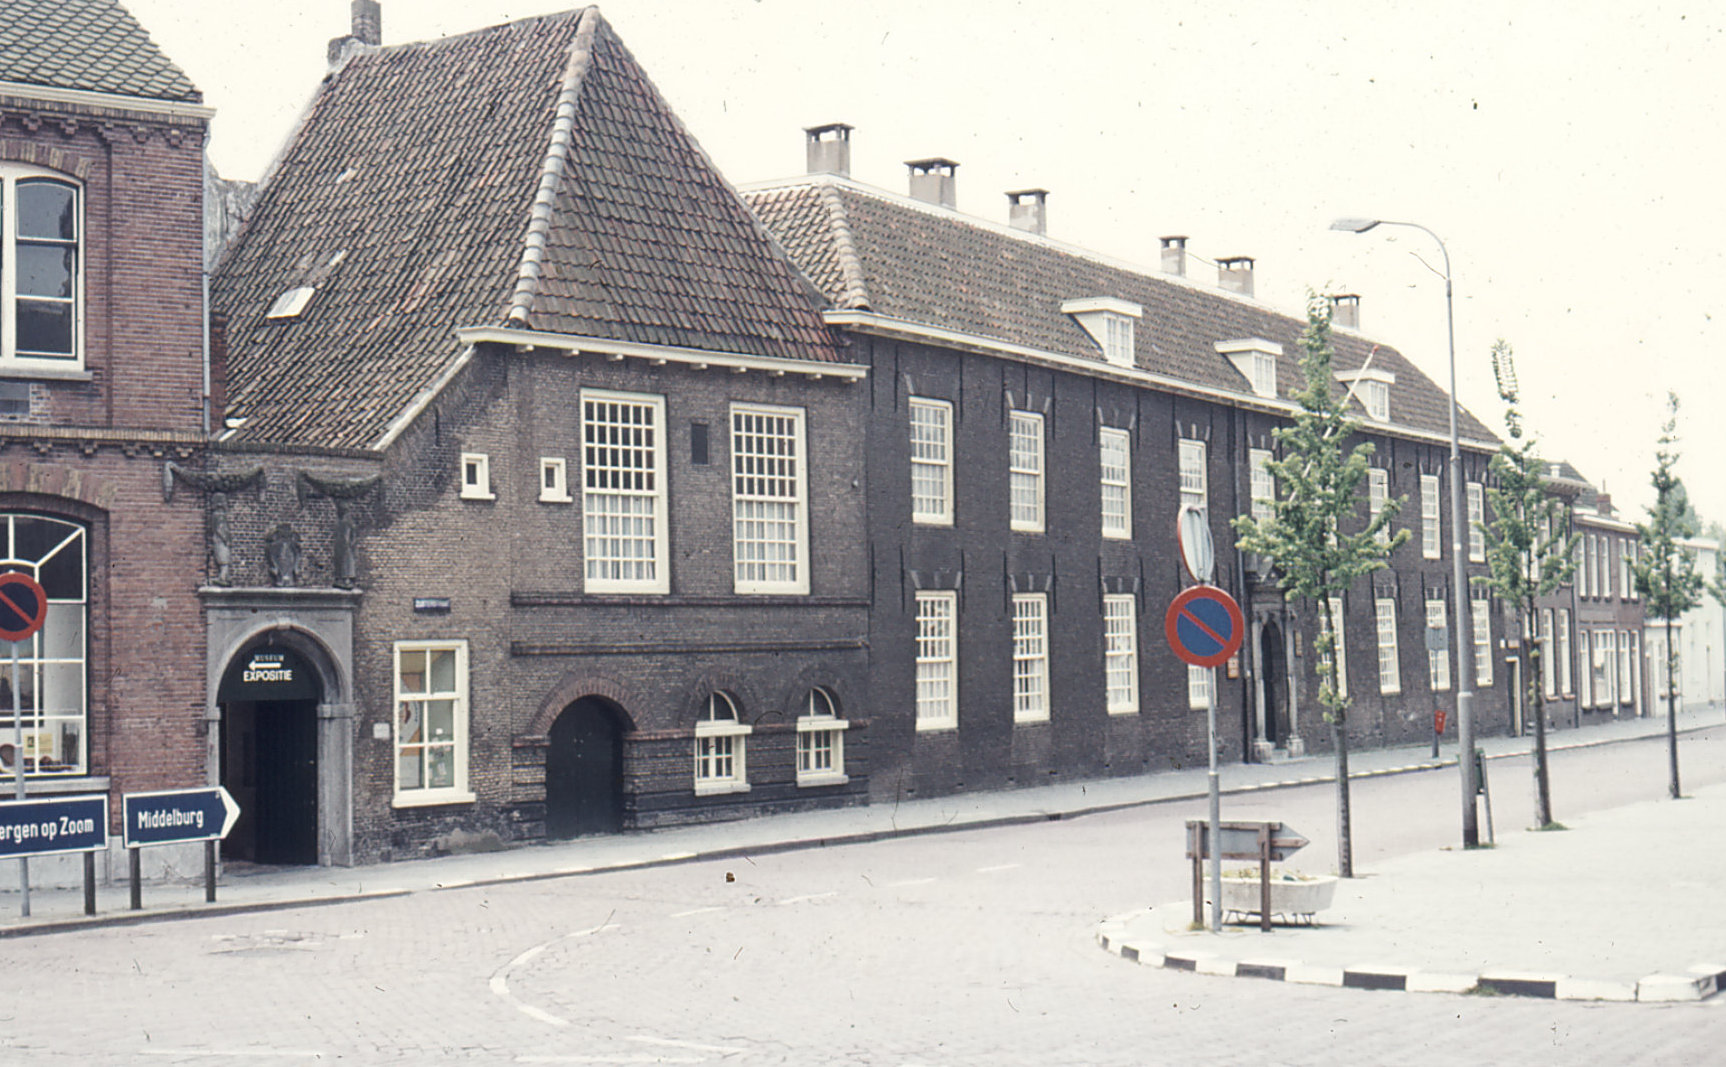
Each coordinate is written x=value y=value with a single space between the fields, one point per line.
x=584 y=771
x=1273 y=665
x=269 y=756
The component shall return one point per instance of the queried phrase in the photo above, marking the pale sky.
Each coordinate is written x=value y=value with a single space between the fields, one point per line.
x=1565 y=152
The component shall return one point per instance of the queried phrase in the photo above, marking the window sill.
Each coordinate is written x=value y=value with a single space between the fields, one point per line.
x=69 y=373
x=1030 y=720
x=478 y=496
x=770 y=590
x=566 y=499
x=1027 y=529
x=49 y=785
x=1123 y=711
x=709 y=789
x=431 y=798
x=942 y=726
x=925 y=521
x=807 y=781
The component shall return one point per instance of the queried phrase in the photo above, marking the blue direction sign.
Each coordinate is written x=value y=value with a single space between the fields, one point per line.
x=58 y=824
x=178 y=815
x=1204 y=626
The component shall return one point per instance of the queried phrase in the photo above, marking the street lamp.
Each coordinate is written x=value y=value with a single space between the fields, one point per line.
x=1461 y=620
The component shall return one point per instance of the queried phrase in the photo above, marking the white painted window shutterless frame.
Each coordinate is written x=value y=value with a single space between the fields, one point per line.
x=623 y=492
x=41 y=270
x=1389 y=668
x=476 y=476
x=1030 y=657
x=431 y=723
x=1430 y=545
x=1115 y=453
x=721 y=748
x=931 y=461
x=1194 y=488
x=769 y=500
x=937 y=659
x=1437 y=661
x=821 y=741
x=1476 y=516
x=554 y=480
x=1263 y=487
x=1480 y=632
x=1121 y=653
x=1378 y=494
x=1025 y=471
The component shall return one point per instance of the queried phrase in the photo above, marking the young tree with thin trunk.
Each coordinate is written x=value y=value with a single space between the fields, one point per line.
x=1527 y=553
x=1665 y=573
x=1319 y=486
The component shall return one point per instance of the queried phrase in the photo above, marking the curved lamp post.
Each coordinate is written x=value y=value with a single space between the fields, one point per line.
x=1461 y=621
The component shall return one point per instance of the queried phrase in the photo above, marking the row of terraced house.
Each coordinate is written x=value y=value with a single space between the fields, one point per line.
x=516 y=476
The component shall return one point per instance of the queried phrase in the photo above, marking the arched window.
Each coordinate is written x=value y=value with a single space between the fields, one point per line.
x=821 y=741
x=720 y=748
x=52 y=708
x=41 y=267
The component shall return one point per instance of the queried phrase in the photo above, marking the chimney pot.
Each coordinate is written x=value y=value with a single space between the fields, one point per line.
x=368 y=21
x=1175 y=255
x=1235 y=273
x=829 y=149
x=1345 y=310
x=1028 y=210
x=932 y=181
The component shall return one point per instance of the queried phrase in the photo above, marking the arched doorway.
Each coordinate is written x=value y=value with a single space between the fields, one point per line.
x=584 y=771
x=269 y=755
x=1274 y=665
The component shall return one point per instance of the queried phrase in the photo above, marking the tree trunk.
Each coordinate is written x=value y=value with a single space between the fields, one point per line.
x=1344 y=832
x=1542 y=782
x=1671 y=699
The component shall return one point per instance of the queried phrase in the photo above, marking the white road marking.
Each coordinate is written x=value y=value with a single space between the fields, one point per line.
x=811 y=896
x=233 y=1053
x=640 y=1058
x=906 y=882
x=1002 y=867
x=692 y=1045
x=499 y=983
x=694 y=911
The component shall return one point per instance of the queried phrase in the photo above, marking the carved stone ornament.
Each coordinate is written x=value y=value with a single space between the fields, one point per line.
x=309 y=484
x=225 y=482
x=282 y=549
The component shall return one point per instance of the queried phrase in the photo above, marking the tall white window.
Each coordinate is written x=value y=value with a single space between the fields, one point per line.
x=1114 y=448
x=1561 y=658
x=1030 y=657
x=820 y=741
x=1389 y=670
x=41 y=268
x=1590 y=576
x=937 y=660
x=1429 y=540
x=1630 y=571
x=1118 y=340
x=1375 y=398
x=1437 y=662
x=721 y=748
x=51 y=664
x=1198 y=687
x=1377 y=495
x=769 y=528
x=431 y=722
x=1548 y=654
x=1476 y=516
x=623 y=492
x=1624 y=583
x=1339 y=647
x=1193 y=481
x=1605 y=663
x=1121 y=653
x=1263 y=487
x=931 y=461
x=1025 y=467
x=1625 y=690
x=1264 y=374
x=1585 y=676
x=1481 y=635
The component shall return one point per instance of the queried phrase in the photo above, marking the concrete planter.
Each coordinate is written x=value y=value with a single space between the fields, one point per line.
x=1297 y=900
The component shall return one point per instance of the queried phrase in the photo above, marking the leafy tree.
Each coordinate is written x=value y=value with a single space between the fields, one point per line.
x=1319 y=483
x=1665 y=573
x=1526 y=556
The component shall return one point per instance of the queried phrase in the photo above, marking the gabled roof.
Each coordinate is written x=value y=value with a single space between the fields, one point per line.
x=92 y=45
x=868 y=250
x=526 y=175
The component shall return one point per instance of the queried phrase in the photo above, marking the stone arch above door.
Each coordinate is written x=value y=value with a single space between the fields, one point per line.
x=574 y=686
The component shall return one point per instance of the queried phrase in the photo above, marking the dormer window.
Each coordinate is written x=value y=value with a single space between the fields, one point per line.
x=1256 y=359
x=1109 y=321
x=1372 y=388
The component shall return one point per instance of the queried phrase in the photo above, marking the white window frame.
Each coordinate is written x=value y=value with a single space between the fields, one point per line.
x=768 y=484
x=721 y=735
x=1626 y=693
x=1025 y=469
x=1030 y=657
x=1585 y=677
x=1339 y=647
x=1431 y=543
x=11 y=361
x=1118 y=339
x=53 y=664
x=1389 y=666
x=405 y=716
x=1591 y=561
x=1115 y=462
x=821 y=741
x=595 y=493
x=1121 y=653
x=931 y=437
x=1561 y=658
x=1476 y=517
x=1480 y=633
x=1605 y=664
x=1199 y=687
x=476 y=476
x=1375 y=398
x=1630 y=551
x=936 y=652
x=1377 y=496
x=1263 y=487
x=1438 y=661
x=554 y=480
x=1548 y=663
x=1194 y=484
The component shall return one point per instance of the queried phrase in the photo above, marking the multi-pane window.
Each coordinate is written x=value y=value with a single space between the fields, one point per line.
x=1437 y=660
x=820 y=741
x=1263 y=487
x=1548 y=656
x=1114 y=448
x=41 y=271
x=1377 y=495
x=1561 y=658
x=623 y=492
x=1480 y=631
x=1630 y=571
x=931 y=461
x=721 y=748
x=937 y=660
x=1375 y=397
x=1476 y=516
x=1193 y=481
x=1389 y=670
x=1605 y=673
x=1625 y=689
x=1118 y=340
x=1585 y=672
x=1633 y=662
x=1025 y=471
x=1030 y=657
x=769 y=529
x=1264 y=374
x=431 y=722
x=1198 y=687
x=1591 y=557
x=1429 y=542
x=51 y=664
x=1339 y=647
x=1121 y=653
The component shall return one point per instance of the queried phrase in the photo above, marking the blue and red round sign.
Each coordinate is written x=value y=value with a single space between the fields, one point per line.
x=23 y=606
x=1204 y=626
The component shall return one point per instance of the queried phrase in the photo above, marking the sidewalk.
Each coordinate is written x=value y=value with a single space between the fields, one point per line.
x=55 y=910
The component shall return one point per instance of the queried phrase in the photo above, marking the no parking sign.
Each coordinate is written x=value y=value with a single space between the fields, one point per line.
x=1204 y=626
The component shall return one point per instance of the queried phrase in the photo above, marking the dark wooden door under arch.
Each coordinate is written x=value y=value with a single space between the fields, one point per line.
x=1274 y=668
x=584 y=772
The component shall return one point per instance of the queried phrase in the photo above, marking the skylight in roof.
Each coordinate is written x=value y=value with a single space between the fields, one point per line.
x=291 y=303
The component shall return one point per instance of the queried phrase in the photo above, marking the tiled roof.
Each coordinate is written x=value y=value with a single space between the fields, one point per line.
x=528 y=166
x=869 y=250
x=94 y=45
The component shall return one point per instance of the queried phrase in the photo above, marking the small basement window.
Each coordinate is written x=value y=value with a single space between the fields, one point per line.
x=476 y=476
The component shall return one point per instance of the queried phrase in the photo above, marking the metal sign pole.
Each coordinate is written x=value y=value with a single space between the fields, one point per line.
x=18 y=779
x=1216 y=806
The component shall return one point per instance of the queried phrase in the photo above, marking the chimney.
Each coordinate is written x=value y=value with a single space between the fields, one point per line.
x=1175 y=255
x=829 y=149
x=1345 y=310
x=1028 y=210
x=1235 y=273
x=368 y=30
x=932 y=181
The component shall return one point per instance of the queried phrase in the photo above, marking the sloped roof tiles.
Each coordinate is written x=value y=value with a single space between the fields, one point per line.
x=90 y=45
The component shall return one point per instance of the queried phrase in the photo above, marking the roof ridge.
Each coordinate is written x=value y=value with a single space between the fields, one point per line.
x=552 y=169
x=856 y=291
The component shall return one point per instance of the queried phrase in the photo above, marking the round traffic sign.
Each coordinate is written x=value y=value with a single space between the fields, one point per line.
x=1193 y=531
x=23 y=606
x=1204 y=626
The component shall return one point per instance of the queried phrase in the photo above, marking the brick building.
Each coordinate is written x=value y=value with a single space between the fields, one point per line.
x=104 y=381
x=540 y=473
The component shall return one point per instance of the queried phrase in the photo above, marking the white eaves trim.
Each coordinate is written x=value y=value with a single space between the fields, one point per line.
x=1366 y=374
x=141 y=104
x=696 y=357
x=423 y=400
x=886 y=326
x=1103 y=303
